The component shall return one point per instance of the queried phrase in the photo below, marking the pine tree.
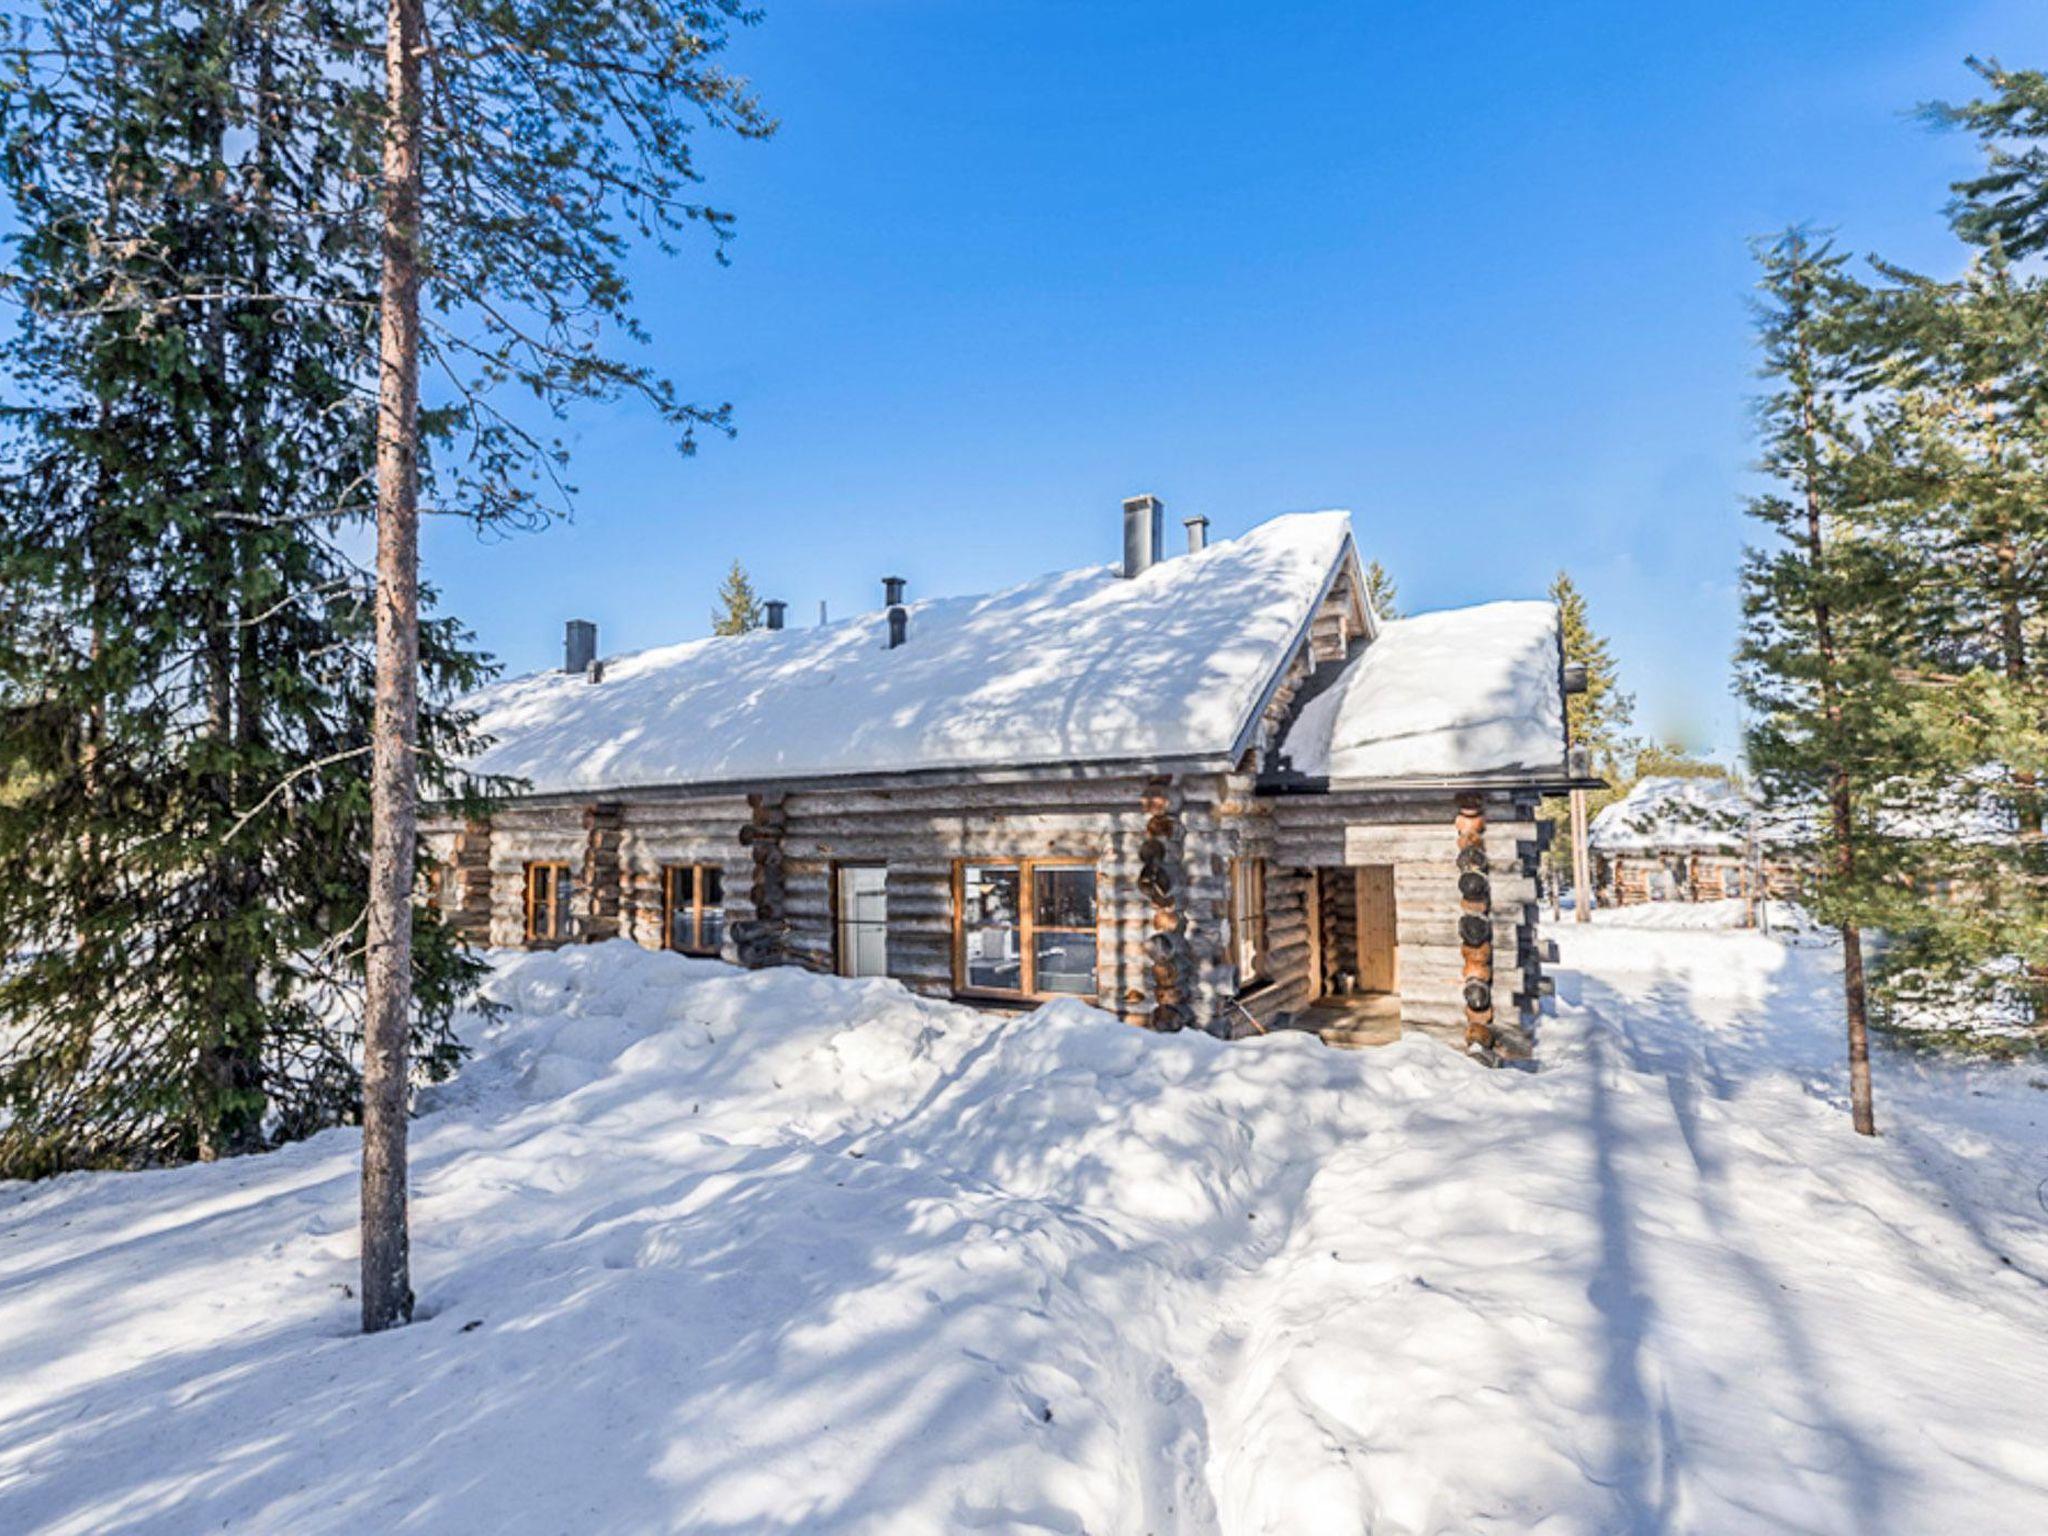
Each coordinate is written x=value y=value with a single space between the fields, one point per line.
x=739 y=610
x=1380 y=591
x=184 y=647
x=520 y=154
x=1823 y=619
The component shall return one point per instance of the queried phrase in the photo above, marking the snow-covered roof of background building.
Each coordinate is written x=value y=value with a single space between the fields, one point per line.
x=1693 y=814
x=1462 y=692
x=1698 y=815
x=1078 y=666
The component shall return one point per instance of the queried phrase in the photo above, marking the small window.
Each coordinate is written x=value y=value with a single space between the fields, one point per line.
x=693 y=908
x=1025 y=928
x=1248 y=919
x=549 y=887
x=860 y=895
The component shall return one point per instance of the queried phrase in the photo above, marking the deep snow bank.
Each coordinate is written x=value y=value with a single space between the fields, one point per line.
x=715 y=1252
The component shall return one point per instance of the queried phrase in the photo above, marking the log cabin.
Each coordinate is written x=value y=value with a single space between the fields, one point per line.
x=1211 y=790
x=1687 y=839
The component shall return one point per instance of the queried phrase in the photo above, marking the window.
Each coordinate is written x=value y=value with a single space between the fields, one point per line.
x=1025 y=928
x=1248 y=919
x=549 y=887
x=693 y=908
x=860 y=897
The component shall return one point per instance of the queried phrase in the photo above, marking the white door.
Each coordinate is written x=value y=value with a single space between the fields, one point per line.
x=863 y=920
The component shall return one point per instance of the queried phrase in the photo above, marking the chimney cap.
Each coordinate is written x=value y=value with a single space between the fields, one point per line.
x=776 y=608
x=892 y=590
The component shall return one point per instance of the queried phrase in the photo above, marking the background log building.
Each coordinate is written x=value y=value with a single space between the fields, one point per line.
x=1213 y=790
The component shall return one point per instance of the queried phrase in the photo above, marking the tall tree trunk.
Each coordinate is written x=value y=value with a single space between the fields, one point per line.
x=394 y=783
x=1841 y=805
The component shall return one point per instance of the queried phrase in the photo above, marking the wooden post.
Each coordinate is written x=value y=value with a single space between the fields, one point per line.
x=1162 y=877
x=603 y=827
x=1582 y=881
x=1475 y=927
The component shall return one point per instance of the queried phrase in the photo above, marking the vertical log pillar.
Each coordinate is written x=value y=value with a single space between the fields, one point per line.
x=472 y=861
x=603 y=828
x=1162 y=878
x=1582 y=881
x=1475 y=926
x=758 y=942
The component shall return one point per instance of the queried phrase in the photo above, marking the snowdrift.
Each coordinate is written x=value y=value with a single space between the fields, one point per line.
x=707 y=1251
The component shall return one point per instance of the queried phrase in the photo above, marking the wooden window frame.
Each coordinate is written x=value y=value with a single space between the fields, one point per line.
x=838 y=935
x=561 y=919
x=696 y=902
x=1027 y=926
x=1258 y=975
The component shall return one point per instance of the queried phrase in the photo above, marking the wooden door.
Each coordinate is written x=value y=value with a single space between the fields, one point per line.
x=1379 y=961
x=1312 y=896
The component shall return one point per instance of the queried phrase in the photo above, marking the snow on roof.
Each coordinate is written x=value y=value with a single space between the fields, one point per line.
x=1670 y=812
x=1465 y=691
x=1081 y=665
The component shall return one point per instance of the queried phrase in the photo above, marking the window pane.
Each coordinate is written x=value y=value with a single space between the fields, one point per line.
x=991 y=929
x=1065 y=963
x=1065 y=897
x=564 y=890
x=711 y=908
x=679 y=932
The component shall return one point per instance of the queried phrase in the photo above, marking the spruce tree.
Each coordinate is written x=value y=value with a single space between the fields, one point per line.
x=1964 y=422
x=184 y=651
x=1596 y=719
x=1381 y=592
x=739 y=609
x=1823 y=620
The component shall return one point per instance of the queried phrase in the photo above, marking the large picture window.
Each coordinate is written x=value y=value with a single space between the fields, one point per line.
x=1025 y=927
x=1248 y=919
x=860 y=904
x=549 y=888
x=693 y=908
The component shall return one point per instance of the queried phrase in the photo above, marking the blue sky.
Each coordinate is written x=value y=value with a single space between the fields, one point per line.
x=1477 y=272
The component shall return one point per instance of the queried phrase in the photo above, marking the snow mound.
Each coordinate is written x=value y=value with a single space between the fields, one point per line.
x=1079 y=665
x=709 y=1251
x=1466 y=691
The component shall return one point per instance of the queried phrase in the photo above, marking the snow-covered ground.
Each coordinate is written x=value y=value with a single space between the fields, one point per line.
x=711 y=1252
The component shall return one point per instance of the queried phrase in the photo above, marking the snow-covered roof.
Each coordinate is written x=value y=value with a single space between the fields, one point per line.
x=1668 y=812
x=1464 y=692
x=1079 y=666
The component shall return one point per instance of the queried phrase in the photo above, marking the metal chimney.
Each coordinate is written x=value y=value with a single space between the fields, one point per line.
x=899 y=616
x=776 y=609
x=579 y=645
x=1144 y=530
x=1198 y=533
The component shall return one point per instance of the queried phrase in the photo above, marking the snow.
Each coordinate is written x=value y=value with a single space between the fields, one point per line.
x=718 y=1252
x=1461 y=692
x=1080 y=665
x=1670 y=813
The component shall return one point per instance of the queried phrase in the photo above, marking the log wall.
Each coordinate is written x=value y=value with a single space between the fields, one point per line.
x=1161 y=847
x=1418 y=836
